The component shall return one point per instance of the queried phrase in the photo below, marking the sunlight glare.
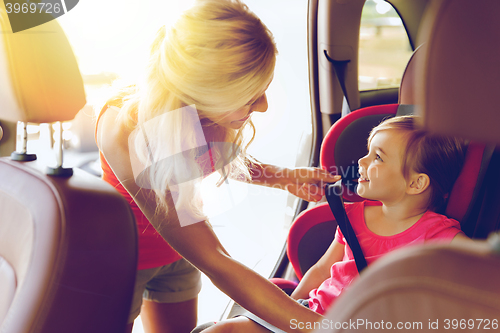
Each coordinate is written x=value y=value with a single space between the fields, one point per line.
x=383 y=7
x=114 y=35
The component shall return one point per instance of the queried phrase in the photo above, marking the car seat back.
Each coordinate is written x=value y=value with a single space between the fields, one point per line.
x=67 y=243
x=423 y=288
x=67 y=252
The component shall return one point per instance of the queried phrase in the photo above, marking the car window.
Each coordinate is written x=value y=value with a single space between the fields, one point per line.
x=384 y=47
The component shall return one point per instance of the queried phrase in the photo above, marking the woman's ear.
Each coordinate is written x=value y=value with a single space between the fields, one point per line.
x=419 y=182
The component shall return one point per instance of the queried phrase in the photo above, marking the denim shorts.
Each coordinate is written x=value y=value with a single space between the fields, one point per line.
x=173 y=283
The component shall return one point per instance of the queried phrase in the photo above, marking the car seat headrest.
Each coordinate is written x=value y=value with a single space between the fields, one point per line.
x=346 y=142
x=458 y=77
x=39 y=77
x=407 y=85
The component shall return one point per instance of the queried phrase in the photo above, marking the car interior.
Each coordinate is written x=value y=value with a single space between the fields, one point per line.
x=68 y=239
x=427 y=285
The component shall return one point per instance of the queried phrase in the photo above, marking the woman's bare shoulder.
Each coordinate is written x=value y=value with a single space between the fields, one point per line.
x=112 y=139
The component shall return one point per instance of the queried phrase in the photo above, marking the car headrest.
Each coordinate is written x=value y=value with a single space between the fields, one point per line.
x=458 y=77
x=39 y=77
x=407 y=85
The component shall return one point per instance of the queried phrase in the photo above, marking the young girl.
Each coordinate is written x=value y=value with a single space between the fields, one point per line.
x=204 y=79
x=409 y=173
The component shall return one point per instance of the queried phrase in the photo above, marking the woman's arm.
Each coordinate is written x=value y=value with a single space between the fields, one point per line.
x=200 y=246
x=306 y=183
x=318 y=273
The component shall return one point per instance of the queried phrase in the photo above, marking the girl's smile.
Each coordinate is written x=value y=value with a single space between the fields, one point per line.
x=362 y=180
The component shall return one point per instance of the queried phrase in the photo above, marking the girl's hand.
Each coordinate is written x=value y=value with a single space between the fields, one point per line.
x=309 y=183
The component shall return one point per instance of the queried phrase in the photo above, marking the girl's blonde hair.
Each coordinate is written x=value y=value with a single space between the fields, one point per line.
x=439 y=157
x=216 y=58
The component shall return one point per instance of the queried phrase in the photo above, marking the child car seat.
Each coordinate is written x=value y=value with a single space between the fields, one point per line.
x=314 y=229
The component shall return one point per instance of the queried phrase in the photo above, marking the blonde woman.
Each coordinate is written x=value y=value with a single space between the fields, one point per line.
x=158 y=139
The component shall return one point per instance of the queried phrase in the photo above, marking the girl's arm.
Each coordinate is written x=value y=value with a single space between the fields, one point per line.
x=306 y=183
x=318 y=273
x=461 y=237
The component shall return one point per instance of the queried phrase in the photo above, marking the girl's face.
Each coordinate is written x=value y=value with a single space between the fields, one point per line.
x=236 y=119
x=381 y=176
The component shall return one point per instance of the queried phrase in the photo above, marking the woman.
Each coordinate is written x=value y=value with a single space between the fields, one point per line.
x=204 y=78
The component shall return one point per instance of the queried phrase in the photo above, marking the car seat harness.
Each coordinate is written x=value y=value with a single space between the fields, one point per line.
x=336 y=203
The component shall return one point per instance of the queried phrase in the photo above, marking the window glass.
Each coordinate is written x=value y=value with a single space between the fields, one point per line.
x=384 y=48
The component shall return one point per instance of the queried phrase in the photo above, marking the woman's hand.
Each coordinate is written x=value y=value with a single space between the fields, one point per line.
x=306 y=183
x=309 y=183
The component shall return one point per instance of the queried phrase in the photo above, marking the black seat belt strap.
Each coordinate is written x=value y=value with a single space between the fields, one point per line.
x=340 y=67
x=336 y=203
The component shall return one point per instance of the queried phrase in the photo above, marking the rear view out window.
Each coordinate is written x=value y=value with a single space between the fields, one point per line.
x=384 y=47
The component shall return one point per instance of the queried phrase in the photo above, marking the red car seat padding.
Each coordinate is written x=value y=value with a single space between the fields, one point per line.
x=345 y=143
x=309 y=237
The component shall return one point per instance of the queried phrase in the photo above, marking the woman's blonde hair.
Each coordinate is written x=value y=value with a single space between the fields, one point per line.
x=216 y=58
x=439 y=157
